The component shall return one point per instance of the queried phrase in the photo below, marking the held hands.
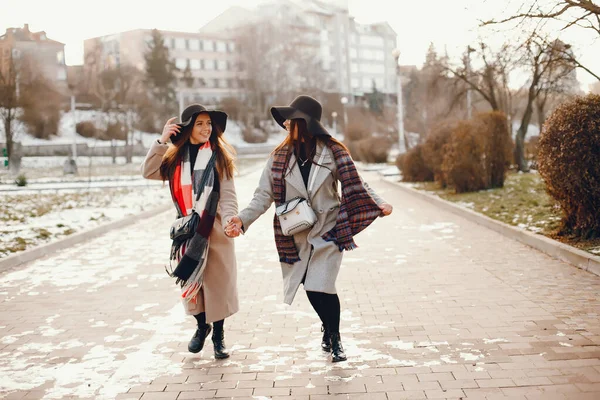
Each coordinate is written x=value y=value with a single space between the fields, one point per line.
x=386 y=209
x=233 y=228
x=169 y=130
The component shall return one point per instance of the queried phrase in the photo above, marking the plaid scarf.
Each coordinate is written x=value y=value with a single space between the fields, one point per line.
x=357 y=210
x=197 y=192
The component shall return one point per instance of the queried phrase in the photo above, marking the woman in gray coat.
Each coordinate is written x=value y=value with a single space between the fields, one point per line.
x=310 y=156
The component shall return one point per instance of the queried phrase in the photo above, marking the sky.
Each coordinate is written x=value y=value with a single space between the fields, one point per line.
x=450 y=25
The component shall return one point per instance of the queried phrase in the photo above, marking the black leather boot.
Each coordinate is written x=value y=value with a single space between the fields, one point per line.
x=218 y=339
x=197 y=342
x=337 y=350
x=326 y=342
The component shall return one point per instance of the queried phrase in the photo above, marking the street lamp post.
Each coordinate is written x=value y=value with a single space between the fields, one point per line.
x=468 y=70
x=333 y=117
x=401 y=141
x=344 y=101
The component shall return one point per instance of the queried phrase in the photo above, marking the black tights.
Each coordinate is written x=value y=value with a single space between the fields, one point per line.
x=201 y=318
x=327 y=307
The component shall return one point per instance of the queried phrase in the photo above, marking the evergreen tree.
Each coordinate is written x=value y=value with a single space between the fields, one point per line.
x=187 y=77
x=375 y=100
x=161 y=72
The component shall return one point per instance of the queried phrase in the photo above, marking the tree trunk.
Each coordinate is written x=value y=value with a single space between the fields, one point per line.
x=520 y=139
x=541 y=114
x=14 y=157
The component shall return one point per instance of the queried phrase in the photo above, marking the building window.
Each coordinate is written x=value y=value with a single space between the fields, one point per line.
x=222 y=65
x=62 y=74
x=194 y=64
x=60 y=57
x=193 y=44
x=231 y=47
x=221 y=47
x=180 y=43
x=216 y=83
x=181 y=63
x=172 y=43
x=209 y=45
x=209 y=65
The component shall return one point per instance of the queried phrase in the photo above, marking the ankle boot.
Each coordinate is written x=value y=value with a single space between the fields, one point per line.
x=197 y=342
x=218 y=339
x=326 y=342
x=337 y=350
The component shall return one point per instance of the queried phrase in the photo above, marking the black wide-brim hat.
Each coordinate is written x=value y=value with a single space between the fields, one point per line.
x=217 y=118
x=303 y=107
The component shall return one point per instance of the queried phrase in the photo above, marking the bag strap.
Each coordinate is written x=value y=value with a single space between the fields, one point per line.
x=316 y=171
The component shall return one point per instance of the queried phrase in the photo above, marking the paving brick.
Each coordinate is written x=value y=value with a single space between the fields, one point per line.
x=481 y=316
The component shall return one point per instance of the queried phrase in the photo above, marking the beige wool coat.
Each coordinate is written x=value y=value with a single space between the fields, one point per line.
x=320 y=261
x=218 y=296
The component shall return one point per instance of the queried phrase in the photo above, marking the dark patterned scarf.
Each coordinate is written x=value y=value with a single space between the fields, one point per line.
x=357 y=210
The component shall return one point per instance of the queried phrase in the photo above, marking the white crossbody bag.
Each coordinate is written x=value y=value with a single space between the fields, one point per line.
x=297 y=215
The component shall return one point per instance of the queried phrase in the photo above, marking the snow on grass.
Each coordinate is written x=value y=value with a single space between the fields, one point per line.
x=28 y=220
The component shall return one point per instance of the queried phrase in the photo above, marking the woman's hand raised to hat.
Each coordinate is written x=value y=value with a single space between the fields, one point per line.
x=169 y=130
x=386 y=209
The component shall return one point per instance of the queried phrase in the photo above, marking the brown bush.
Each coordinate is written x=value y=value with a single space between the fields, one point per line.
x=373 y=150
x=414 y=168
x=86 y=129
x=40 y=101
x=433 y=149
x=569 y=162
x=531 y=151
x=254 y=135
x=115 y=130
x=463 y=164
x=493 y=127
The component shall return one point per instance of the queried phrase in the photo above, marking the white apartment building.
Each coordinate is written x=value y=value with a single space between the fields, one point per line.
x=353 y=55
x=211 y=59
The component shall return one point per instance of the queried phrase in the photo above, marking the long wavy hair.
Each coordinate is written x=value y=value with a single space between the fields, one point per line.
x=225 y=153
x=299 y=136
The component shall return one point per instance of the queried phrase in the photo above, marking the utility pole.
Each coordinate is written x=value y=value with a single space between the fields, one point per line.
x=468 y=70
x=401 y=138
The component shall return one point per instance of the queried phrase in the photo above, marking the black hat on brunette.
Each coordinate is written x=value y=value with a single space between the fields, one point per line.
x=303 y=107
x=188 y=116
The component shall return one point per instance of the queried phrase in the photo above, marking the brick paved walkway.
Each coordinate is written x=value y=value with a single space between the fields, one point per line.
x=434 y=307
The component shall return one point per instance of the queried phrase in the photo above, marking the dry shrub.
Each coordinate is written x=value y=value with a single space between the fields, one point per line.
x=463 y=164
x=493 y=127
x=413 y=166
x=373 y=150
x=115 y=130
x=433 y=149
x=40 y=101
x=531 y=151
x=569 y=162
x=86 y=129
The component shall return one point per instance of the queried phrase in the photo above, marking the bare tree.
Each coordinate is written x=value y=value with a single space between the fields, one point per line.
x=572 y=13
x=547 y=68
x=9 y=106
x=276 y=64
x=491 y=80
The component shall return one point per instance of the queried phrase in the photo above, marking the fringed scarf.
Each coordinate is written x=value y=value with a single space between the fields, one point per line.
x=197 y=192
x=357 y=210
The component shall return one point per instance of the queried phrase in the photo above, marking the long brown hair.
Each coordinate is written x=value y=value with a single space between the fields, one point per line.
x=225 y=153
x=299 y=136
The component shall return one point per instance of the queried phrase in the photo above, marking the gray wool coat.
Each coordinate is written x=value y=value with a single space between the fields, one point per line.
x=320 y=261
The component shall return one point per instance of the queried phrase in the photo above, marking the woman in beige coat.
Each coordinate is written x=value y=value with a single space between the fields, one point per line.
x=198 y=163
x=309 y=155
